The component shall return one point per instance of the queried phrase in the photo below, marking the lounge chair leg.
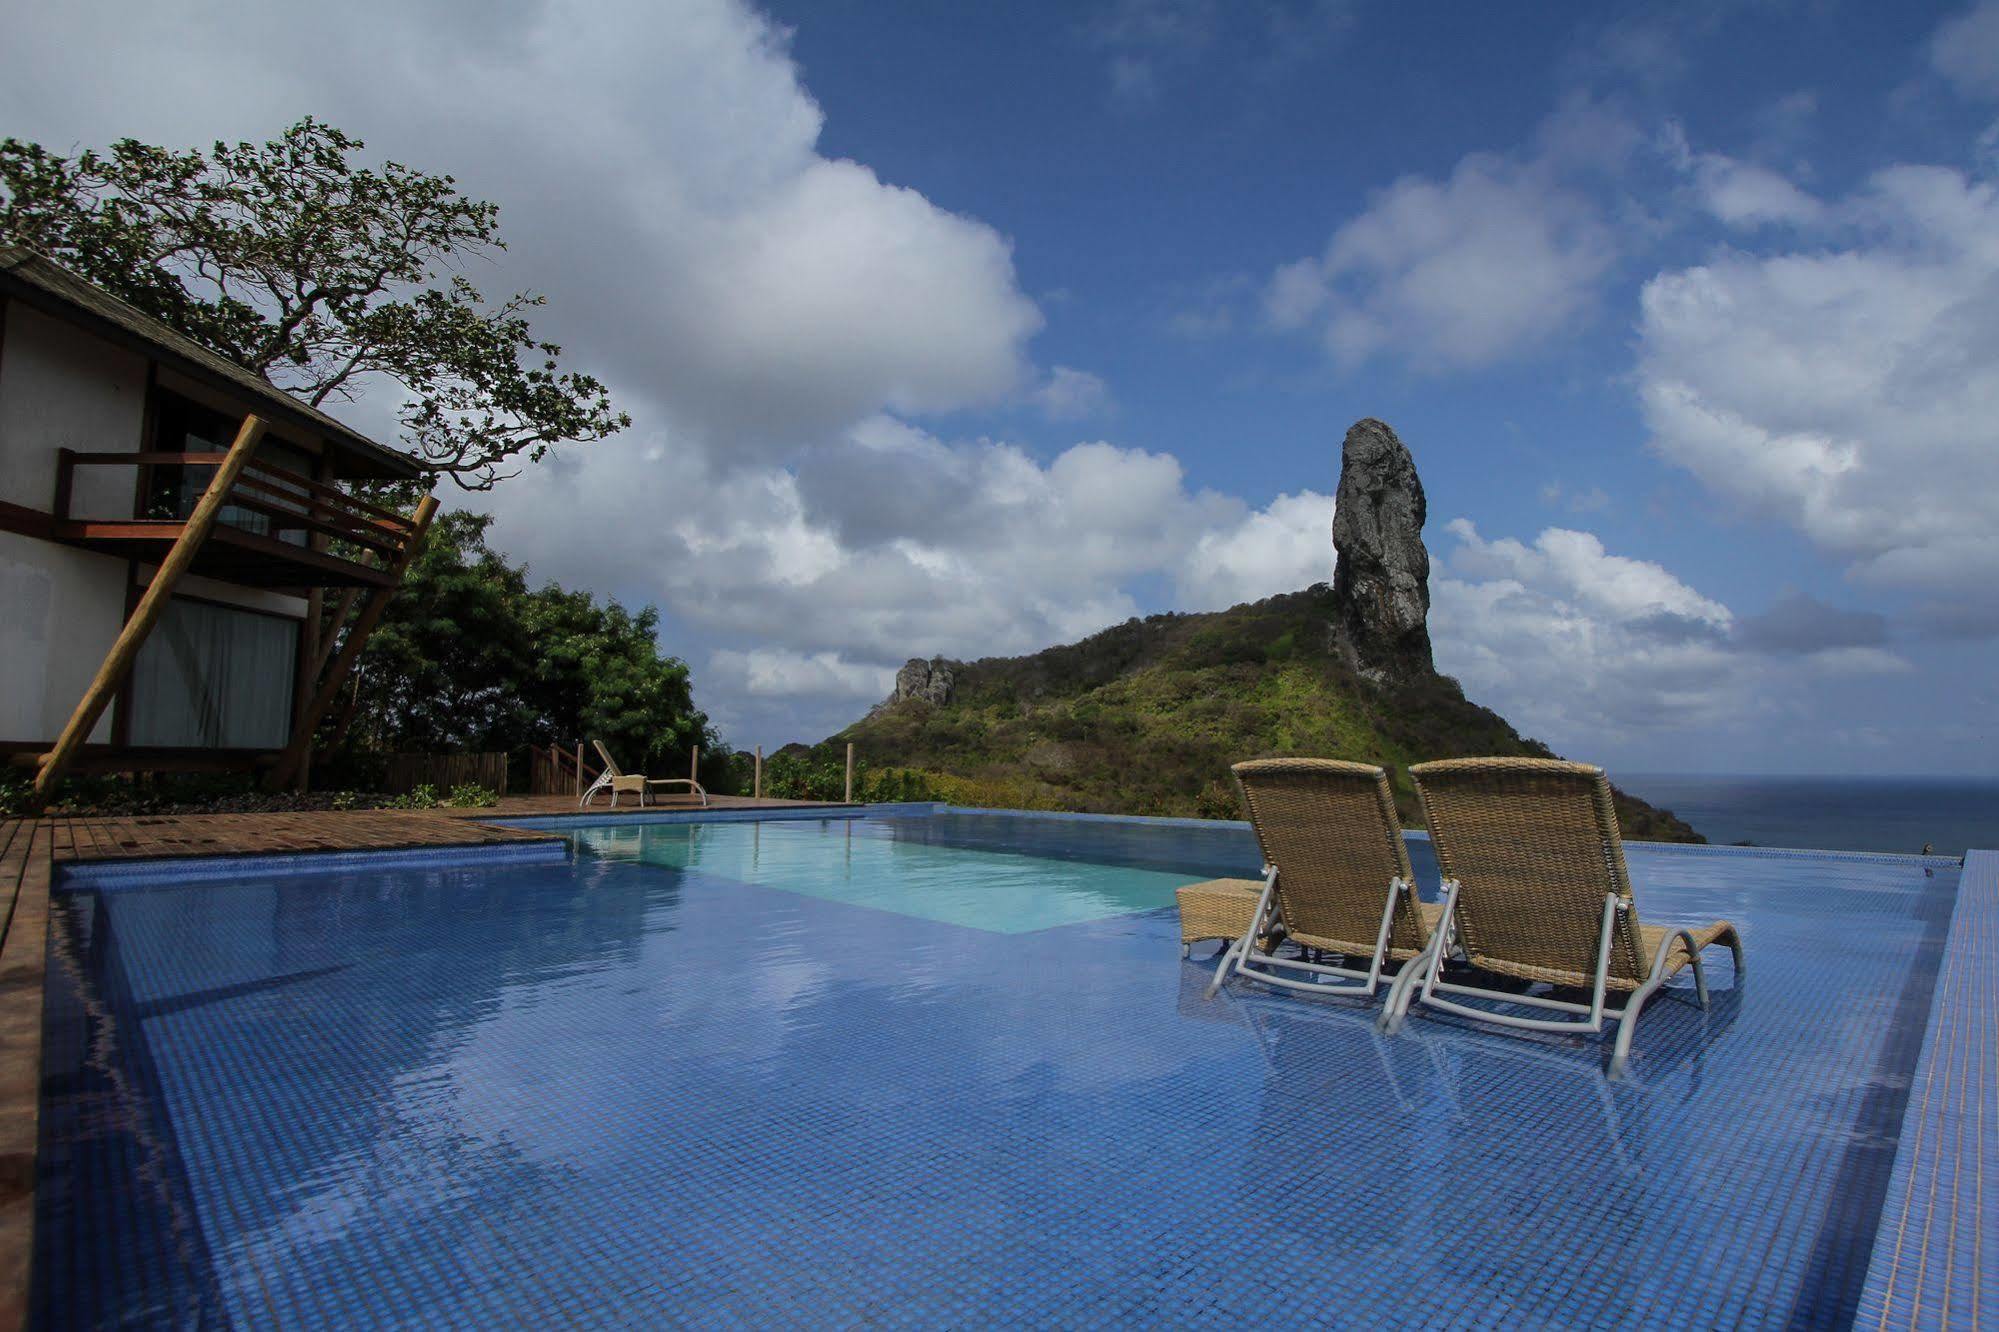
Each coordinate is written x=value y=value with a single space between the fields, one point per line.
x=1403 y=986
x=1183 y=950
x=1390 y=1020
x=1627 y=1020
x=1700 y=980
x=1221 y=970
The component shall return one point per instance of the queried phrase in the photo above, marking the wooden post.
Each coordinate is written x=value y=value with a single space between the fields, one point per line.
x=757 y=783
x=118 y=663
x=579 y=769
x=694 y=764
x=315 y=609
x=350 y=651
x=850 y=772
x=329 y=641
x=308 y=652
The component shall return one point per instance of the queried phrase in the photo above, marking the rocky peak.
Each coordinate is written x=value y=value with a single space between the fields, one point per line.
x=1381 y=585
x=930 y=681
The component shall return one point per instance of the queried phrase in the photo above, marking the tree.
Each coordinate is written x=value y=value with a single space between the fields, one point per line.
x=319 y=275
x=470 y=657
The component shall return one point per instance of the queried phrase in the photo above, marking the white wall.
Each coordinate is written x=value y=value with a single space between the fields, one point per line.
x=60 y=611
x=250 y=598
x=61 y=387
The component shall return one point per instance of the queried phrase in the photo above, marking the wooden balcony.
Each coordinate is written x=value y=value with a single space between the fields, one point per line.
x=348 y=542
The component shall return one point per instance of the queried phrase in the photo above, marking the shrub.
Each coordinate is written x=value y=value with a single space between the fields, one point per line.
x=1217 y=800
x=423 y=797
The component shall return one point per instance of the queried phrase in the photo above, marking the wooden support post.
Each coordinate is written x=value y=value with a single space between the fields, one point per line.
x=308 y=653
x=118 y=663
x=329 y=639
x=350 y=651
x=694 y=764
x=850 y=772
x=579 y=769
x=315 y=610
x=757 y=782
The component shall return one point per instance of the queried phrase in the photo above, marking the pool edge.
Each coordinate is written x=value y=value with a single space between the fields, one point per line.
x=1927 y=1267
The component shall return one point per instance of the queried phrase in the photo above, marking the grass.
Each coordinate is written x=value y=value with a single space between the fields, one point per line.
x=1146 y=717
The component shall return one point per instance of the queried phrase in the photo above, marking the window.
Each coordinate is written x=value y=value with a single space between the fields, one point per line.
x=214 y=677
x=182 y=426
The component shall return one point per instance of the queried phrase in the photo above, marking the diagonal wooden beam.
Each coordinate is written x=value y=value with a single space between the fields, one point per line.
x=329 y=638
x=118 y=662
x=350 y=650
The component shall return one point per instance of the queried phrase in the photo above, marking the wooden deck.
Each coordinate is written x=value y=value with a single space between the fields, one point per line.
x=26 y=868
x=149 y=837
x=155 y=836
x=30 y=850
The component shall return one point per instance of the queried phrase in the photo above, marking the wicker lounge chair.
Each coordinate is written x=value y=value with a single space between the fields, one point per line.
x=1536 y=890
x=1336 y=878
x=618 y=783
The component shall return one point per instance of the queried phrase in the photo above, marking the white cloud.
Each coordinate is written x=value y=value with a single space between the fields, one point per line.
x=1280 y=548
x=1965 y=50
x=1481 y=266
x=1575 y=567
x=1848 y=391
x=1585 y=649
x=888 y=543
x=771 y=672
x=658 y=175
x=1069 y=394
x=1742 y=194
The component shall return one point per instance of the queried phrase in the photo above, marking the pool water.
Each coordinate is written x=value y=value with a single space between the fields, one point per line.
x=876 y=864
x=735 y=1079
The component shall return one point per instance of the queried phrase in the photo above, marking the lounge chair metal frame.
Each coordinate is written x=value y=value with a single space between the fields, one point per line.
x=1424 y=979
x=614 y=781
x=1428 y=974
x=1275 y=813
x=1247 y=959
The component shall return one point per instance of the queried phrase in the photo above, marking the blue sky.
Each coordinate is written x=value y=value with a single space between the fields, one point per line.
x=966 y=330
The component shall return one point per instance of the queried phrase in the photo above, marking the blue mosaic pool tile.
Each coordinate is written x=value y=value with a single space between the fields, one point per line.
x=615 y=1093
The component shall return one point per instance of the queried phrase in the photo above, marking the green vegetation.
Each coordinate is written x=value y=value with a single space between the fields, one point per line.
x=471 y=658
x=823 y=776
x=207 y=793
x=323 y=277
x=1147 y=716
x=466 y=795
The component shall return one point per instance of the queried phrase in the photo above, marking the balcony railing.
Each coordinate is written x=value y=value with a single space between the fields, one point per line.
x=314 y=533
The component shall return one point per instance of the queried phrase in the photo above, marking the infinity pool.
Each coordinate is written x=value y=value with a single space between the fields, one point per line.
x=931 y=1070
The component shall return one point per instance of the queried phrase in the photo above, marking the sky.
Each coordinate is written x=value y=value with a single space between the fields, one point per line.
x=968 y=330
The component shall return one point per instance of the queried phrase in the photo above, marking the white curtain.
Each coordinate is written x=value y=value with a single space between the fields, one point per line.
x=214 y=677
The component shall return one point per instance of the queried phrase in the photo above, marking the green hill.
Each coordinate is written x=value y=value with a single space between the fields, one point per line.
x=1147 y=716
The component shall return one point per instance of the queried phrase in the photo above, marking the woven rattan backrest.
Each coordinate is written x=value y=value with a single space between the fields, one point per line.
x=610 y=764
x=1331 y=830
x=1533 y=844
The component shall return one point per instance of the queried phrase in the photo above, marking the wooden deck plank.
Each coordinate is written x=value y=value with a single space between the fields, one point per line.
x=25 y=873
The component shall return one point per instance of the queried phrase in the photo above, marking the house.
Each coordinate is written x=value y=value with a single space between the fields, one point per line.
x=145 y=625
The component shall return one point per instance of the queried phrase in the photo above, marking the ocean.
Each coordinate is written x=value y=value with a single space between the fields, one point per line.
x=1831 y=813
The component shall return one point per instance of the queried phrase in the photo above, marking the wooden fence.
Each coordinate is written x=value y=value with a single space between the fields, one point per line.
x=406 y=772
x=554 y=770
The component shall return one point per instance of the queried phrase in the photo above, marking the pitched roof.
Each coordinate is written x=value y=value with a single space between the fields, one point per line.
x=47 y=286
